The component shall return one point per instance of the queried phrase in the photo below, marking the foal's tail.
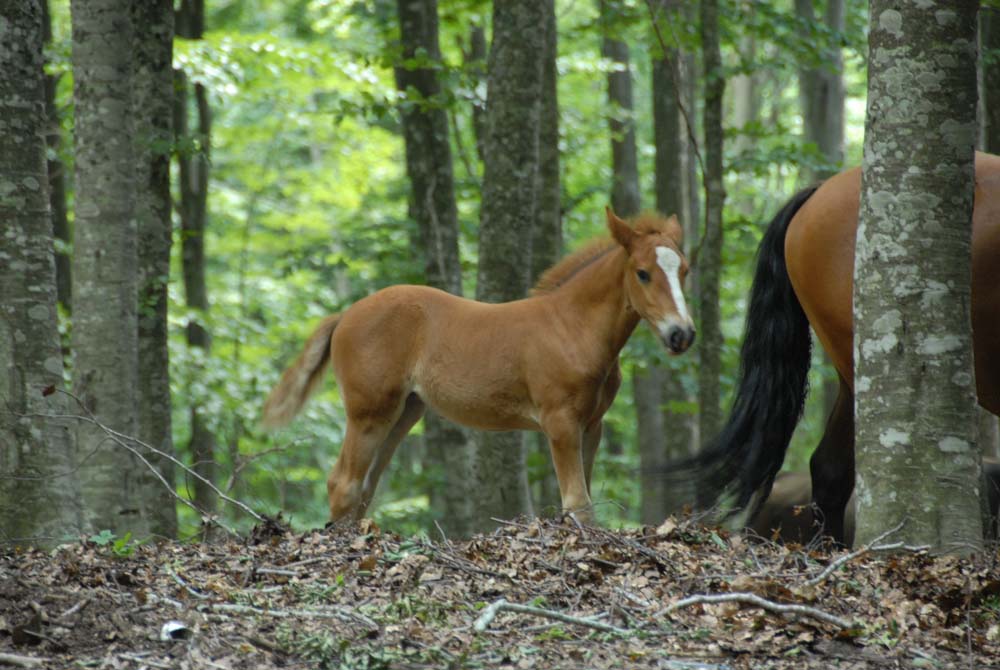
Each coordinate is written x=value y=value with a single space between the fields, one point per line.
x=772 y=382
x=301 y=378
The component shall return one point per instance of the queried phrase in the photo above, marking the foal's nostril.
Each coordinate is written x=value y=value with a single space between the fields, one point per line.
x=676 y=339
x=691 y=334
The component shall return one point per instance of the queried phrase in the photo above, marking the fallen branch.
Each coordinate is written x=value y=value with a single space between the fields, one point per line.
x=22 y=661
x=763 y=603
x=501 y=605
x=342 y=613
x=830 y=569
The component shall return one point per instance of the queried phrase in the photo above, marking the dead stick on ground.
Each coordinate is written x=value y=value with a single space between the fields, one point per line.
x=490 y=613
x=22 y=661
x=830 y=569
x=329 y=612
x=754 y=599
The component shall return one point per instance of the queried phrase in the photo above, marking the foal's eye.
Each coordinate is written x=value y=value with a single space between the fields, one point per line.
x=643 y=276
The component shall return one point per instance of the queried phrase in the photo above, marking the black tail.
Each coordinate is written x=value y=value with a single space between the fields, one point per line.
x=772 y=386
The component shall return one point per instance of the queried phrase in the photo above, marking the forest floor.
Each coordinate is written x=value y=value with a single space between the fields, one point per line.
x=360 y=598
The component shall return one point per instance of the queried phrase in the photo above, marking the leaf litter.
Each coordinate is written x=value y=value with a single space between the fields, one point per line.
x=533 y=594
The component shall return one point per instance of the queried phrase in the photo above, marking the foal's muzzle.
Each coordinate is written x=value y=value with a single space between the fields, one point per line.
x=679 y=338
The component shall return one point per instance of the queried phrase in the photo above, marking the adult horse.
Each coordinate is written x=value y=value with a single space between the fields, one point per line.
x=548 y=362
x=804 y=277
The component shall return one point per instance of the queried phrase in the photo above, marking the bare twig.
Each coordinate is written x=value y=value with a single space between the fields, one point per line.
x=328 y=612
x=501 y=605
x=754 y=599
x=22 y=661
x=142 y=660
x=830 y=569
x=122 y=440
x=190 y=589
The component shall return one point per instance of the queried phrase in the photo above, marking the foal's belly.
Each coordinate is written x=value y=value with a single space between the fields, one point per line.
x=481 y=407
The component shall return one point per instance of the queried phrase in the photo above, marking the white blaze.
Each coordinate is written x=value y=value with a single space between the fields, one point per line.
x=670 y=262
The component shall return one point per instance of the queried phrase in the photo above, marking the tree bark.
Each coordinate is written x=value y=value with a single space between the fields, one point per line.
x=432 y=205
x=476 y=62
x=57 y=179
x=40 y=500
x=153 y=100
x=193 y=176
x=917 y=457
x=625 y=197
x=821 y=93
x=677 y=437
x=105 y=328
x=547 y=240
x=510 y=183
x=710 y=257
x=990 y=40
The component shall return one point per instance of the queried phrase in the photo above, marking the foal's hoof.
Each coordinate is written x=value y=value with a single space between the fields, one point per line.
x=580 y=518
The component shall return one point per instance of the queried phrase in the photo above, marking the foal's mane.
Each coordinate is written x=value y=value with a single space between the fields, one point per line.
x=565 y=269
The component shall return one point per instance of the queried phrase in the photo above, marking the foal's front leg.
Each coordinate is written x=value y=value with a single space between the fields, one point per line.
x=565 y=441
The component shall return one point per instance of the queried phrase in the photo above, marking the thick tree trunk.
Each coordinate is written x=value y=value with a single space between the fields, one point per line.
x=990 y=39
x=710 y=256
x=917 y=458
x=477 y=63
x=432 y=204
x=39 y=490
x=510 y=184
x=104 y=265
x=152 y=100
x=625 y=198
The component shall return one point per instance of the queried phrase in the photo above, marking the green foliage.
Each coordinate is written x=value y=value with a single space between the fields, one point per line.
x=122 y=547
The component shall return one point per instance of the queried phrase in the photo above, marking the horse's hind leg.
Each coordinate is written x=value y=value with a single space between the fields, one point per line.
x=413 y=409
x=832 y=466
x=591 y=441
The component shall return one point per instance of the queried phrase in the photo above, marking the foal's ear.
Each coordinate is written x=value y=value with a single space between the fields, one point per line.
x=675 y=230
x=620 y=231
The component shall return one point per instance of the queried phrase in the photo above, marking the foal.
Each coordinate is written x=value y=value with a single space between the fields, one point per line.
x=548 y=362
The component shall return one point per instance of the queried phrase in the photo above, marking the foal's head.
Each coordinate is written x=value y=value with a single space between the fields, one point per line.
x=654 y=273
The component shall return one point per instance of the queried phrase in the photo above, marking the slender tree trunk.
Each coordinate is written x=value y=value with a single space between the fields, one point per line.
x=477 y=64
x=547 y=241
x=153 y=99
x=710 y=257
x=39 y=491
x=510 y=184
x=105 y=327
x=677 y=438
x=821 y=94
x=917 y=458
x=432 y=204
x=625 y=198
x=193 y=176
x=57 y=179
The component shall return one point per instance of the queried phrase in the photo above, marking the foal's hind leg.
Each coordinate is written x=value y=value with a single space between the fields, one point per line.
x=591 y=441
x=373 y=431
x=832 y=466
x=412 y=411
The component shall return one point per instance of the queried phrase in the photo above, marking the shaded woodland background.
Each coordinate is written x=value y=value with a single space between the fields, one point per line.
x=292 y=199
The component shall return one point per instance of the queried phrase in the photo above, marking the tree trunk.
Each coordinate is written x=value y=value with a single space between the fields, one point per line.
x=152 y=100
x=990 y=37
x=57 y=179
x=39 y=490
x=477 y=64
x=193 y=175
x=432 y=204
x=625 y=198
x=510 y=182
x=821 y=94
x=710 y=257
x=677 y=438
x=105 y=328
x=547 y=241
x=917 y=458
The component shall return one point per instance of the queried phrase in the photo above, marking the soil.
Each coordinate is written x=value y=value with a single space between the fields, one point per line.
x=360 y=598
